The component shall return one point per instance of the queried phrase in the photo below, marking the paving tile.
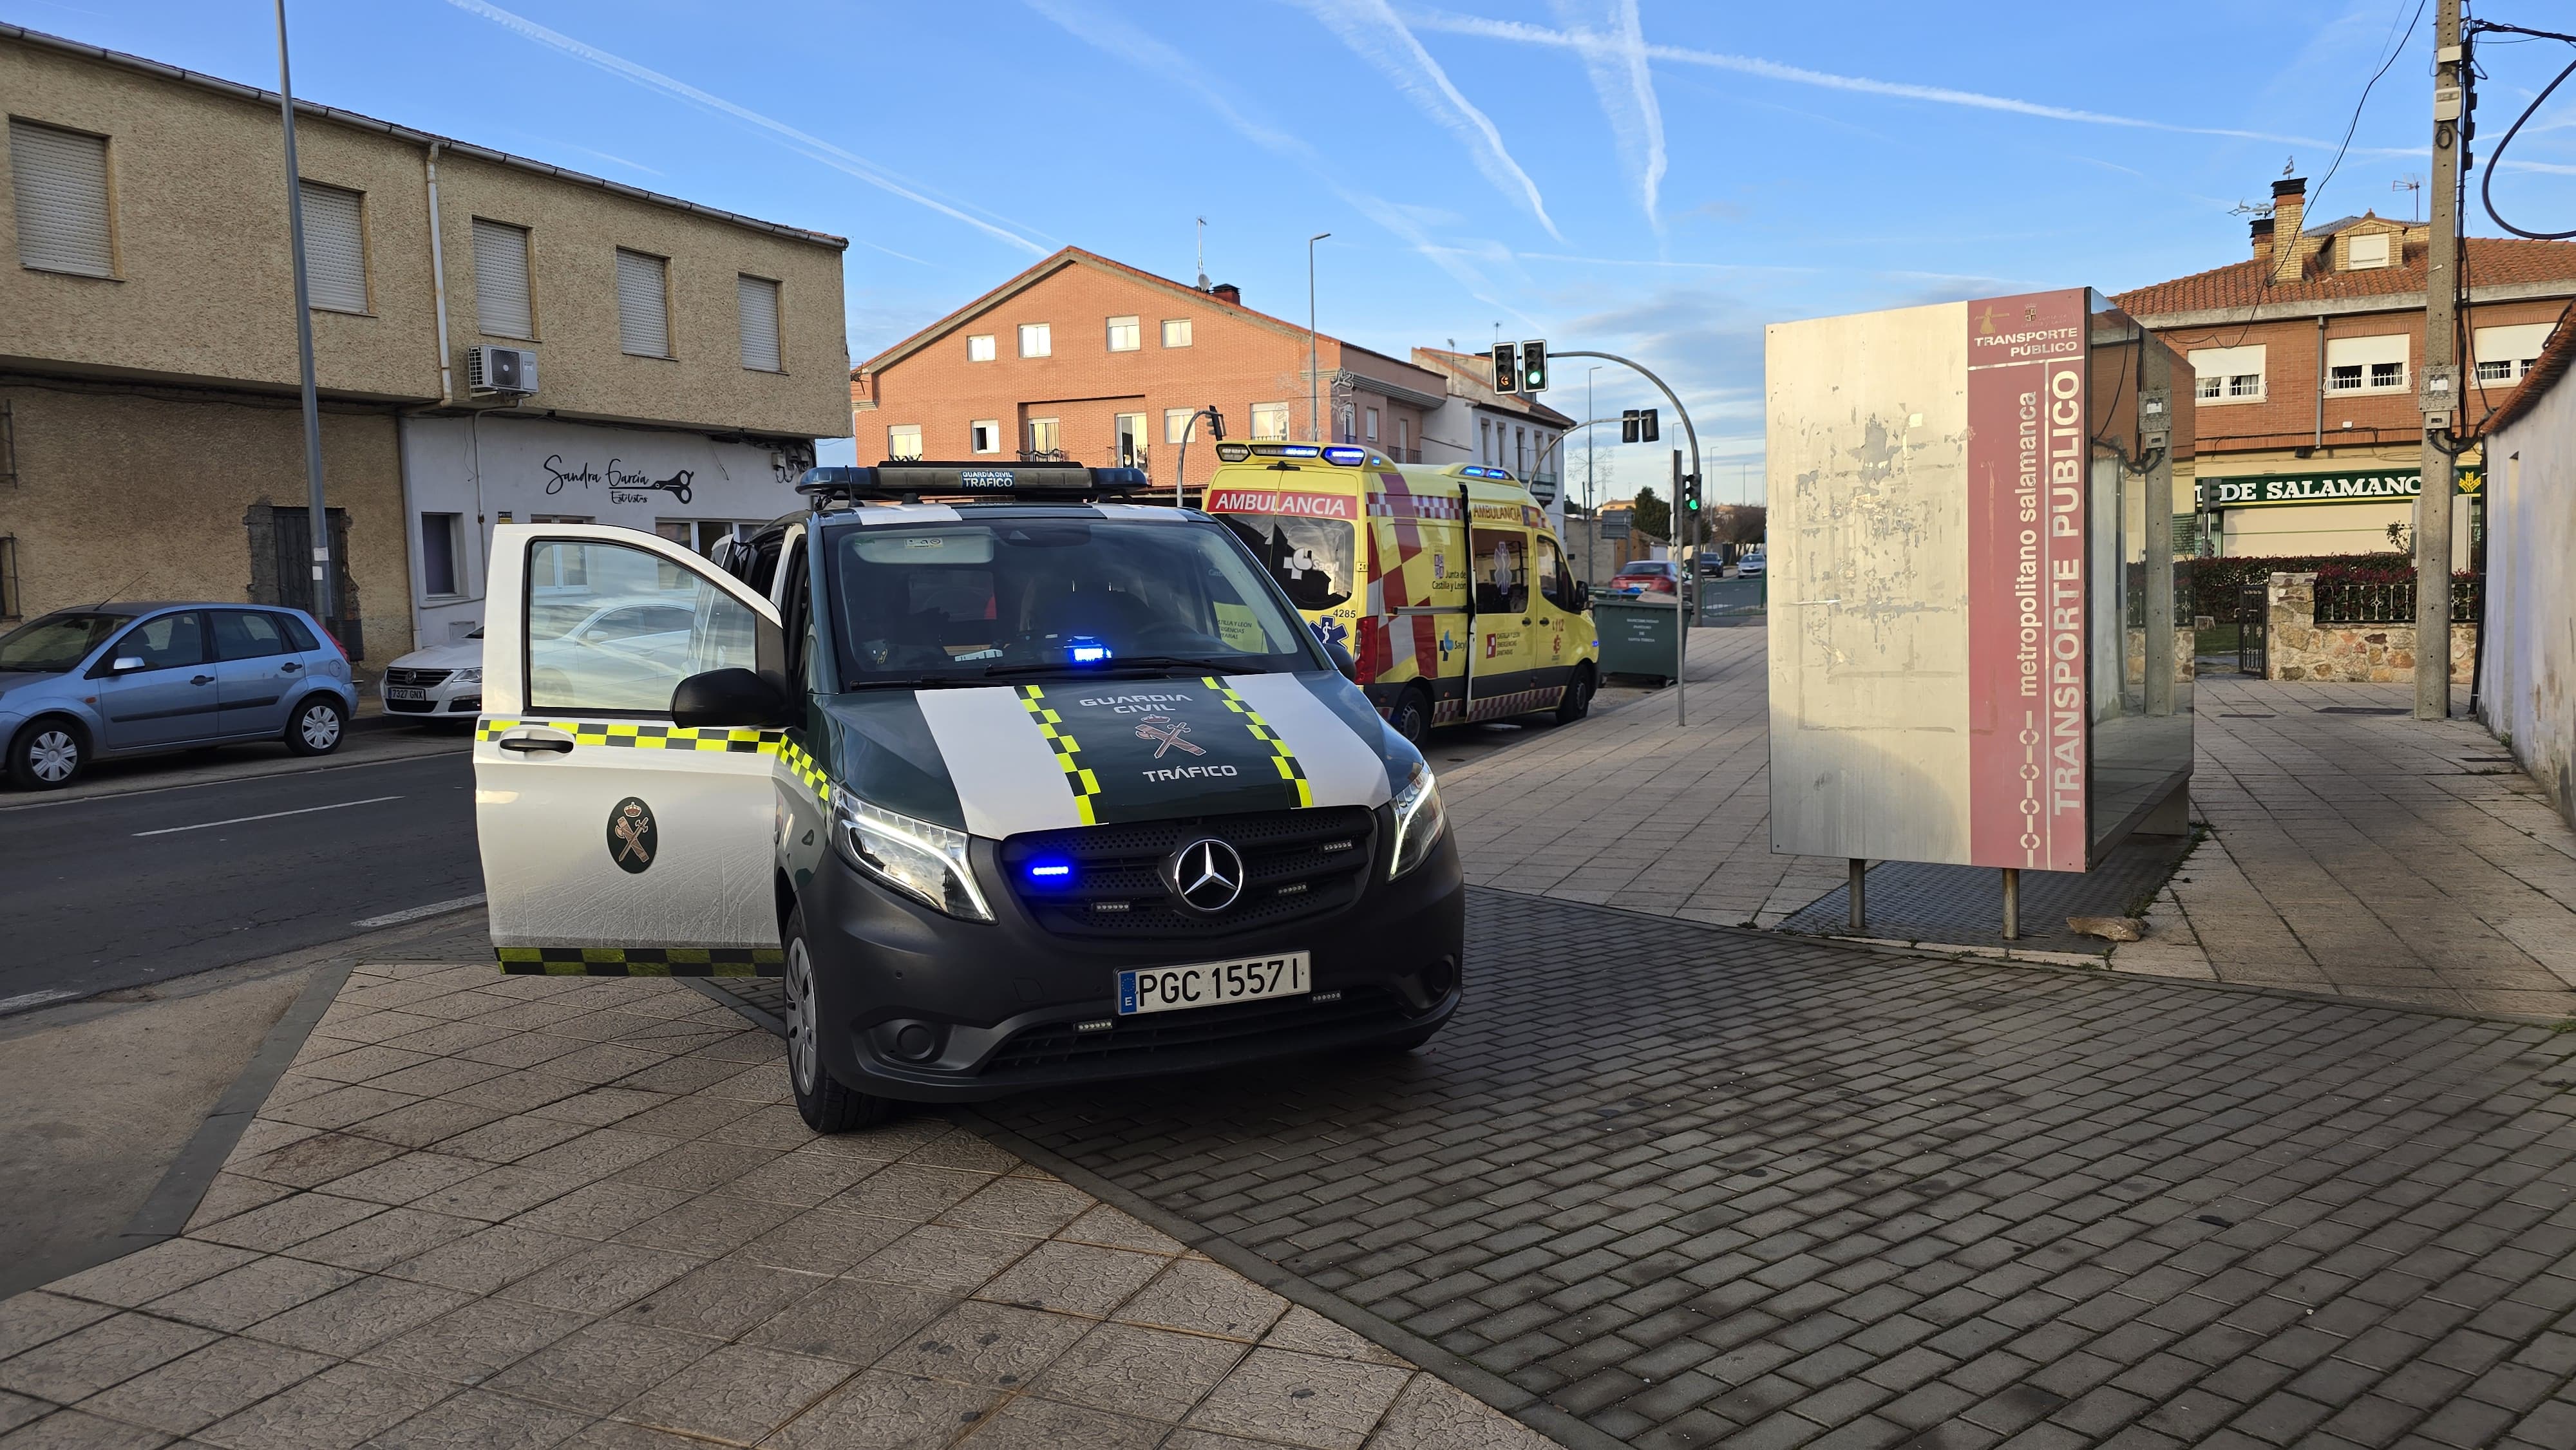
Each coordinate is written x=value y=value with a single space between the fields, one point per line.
x=723 y=1298
x=1200 y=1297
x=880 y=1411
x=357 y=1315
x=1432 y=1415
x=239 y=1298
x=1019 y=1206
x=936 y=1256
x=1129 y=1369
x=95 y=1356
x=372 y=1245
x=286 y=1222
x=1031 y=1424
x=601 y=1279
x=738 y=1394
x=30 y=1319
x=1308 y=1332
x=339 y=1408
x=602 y=1367
x=476 y=1340
x=77 y=1430
x=1303 y=1399
x=987 y=1344
x=852 y=1320
x=1072 y=1278
x=475 y=1420
x=205 y=1385
x=489 y=1257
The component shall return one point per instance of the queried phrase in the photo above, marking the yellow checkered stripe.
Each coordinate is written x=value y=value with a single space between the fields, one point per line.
x=642 y=961
x=644 y=735
x=809 y=770
x=1280 y=756
x=1068 y=752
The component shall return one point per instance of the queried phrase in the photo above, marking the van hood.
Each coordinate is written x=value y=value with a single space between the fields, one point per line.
x=996 y=761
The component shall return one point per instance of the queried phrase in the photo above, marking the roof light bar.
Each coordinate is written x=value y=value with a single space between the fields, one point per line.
x=1478 y=470
x=1346 y=457
x=912 y=478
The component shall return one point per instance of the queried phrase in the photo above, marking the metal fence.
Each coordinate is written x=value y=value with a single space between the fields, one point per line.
x=1723 y=600
x=2253 y=629
x=2350 y=601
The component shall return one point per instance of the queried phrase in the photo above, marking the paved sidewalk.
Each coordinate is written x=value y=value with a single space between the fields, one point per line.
x=2358 y=854
x=2359 y=851
x=498 y=1211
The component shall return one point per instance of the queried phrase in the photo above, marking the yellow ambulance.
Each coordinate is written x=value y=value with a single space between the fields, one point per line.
x=1444 y=584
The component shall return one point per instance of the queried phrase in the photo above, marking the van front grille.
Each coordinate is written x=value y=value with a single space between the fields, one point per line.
x=1298 y=865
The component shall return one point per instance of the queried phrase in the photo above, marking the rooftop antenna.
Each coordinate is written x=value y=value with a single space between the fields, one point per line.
x=2289 y=168
x=1203 y=282
x=2413 y=184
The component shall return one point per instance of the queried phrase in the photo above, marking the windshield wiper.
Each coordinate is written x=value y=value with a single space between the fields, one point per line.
x=1120 y=663
x=911 y=682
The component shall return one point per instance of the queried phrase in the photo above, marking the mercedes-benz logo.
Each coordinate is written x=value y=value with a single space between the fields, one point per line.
x=1206 y=874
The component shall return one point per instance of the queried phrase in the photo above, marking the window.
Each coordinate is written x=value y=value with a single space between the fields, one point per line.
x=1484 y=440
x=1129 y=431
x=2506 y=353
x=903 y=440
x=979 y=347
x=2229 y=373
x=699 y=535
x=2364 y=253
x=1126 y=334
x=335 y=248
x=985 y=435
x=643 y=304
x=1371 y=435
x=1553 y=580
x=1499 y=565
x=441 y=538
x=2367 y=364
x=1176 y=424
x=1270 y=420
x=1037 y=339
x=246 y=634
x=756 y=299
x=1176 y=332
x=10 y=606
x=1403 y=436
x=164 y=643
x=1043 y=435
x=615 y=628
x=502 y=307
x=61 y=182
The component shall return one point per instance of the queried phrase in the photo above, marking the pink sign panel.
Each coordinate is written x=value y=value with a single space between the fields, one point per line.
x=2028 y=456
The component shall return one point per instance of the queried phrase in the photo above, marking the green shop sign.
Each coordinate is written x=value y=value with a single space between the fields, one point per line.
x=2261 y=490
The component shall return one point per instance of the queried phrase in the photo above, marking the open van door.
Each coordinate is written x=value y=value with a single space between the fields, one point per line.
x=615 y=842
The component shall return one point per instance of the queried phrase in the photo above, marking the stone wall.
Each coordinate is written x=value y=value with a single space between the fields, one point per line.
x=2301 y=649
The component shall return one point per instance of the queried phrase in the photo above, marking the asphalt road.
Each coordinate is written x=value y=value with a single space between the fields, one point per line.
x=126 y=890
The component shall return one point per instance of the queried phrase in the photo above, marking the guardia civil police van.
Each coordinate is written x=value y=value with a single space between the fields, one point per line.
x=1014 y=783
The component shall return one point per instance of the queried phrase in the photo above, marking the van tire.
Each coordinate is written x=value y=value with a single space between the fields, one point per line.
x=1578 y=697
x=48 y=754
x=1411 y=714
x=821 y=1100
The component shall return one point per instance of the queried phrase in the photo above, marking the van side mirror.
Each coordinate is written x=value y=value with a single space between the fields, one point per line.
x=1582 y=596
x=1342 y=661
x=730 y=697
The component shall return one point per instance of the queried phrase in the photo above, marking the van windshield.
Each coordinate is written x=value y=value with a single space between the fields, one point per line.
x=959 y=603
x=1315 y=560
x=56 y=642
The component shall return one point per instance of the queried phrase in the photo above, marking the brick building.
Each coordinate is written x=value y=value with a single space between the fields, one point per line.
x=2307 y=355
x=1093 y=360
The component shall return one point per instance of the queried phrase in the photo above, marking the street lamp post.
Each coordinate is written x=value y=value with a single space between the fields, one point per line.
x=1314 y=377
x=321 y=521
x=1591 y=505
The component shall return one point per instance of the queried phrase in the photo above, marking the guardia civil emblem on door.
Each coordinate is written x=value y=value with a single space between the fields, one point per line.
x=633 y=839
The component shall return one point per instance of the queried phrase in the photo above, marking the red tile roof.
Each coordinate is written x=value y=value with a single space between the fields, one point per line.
x=2491 y=261
x=2551 y=365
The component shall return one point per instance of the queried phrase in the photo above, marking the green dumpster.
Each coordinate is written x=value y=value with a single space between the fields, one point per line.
x=1636 y=635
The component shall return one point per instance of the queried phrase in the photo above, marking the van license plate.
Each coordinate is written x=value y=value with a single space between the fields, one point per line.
x=1211 y=984
x=405 y=692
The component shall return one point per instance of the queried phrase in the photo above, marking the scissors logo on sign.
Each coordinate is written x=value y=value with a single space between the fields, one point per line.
x=632 y=835
x=1164 y=730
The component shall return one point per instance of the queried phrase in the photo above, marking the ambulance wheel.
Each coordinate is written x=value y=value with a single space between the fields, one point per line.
x=821 y=1100
x=1411 y=715
x=1578 y=697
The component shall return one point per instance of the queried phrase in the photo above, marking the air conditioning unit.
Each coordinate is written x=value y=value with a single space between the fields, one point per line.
x=510 y=370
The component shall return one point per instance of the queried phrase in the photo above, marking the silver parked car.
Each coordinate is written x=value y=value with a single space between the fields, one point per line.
x=137 y=679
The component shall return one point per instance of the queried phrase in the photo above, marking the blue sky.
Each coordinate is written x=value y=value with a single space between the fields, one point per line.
x=1651 y=179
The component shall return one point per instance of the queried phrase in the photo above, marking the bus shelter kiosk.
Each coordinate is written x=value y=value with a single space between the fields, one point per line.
x=1974 y=658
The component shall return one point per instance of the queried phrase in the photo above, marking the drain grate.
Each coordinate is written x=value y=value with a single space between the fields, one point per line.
x=2364 y=710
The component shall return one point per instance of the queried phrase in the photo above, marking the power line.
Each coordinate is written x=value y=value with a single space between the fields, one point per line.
x=2357 y=106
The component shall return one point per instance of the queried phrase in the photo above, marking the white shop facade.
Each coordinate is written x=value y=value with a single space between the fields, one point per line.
x=463 y=475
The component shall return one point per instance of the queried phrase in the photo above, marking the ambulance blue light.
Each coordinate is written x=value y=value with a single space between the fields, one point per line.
x=1050 y=870
x=1478 y=470
x=1346 y=457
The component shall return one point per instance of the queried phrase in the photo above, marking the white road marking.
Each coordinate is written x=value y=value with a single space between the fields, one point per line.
x=32 y=999
x=396 y=918
x=271 y=816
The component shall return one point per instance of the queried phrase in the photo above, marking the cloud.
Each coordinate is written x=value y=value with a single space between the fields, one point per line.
x=1117 y=38
x=1372 y=31
x=812 y=147
x=1614 y=56
x=1524 y=33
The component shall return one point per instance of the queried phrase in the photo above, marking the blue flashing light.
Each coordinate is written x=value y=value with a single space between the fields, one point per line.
x=1089 y=654
x=1478 y=470
x=1346 y=457
x=1286 y=450
x=1050 y=870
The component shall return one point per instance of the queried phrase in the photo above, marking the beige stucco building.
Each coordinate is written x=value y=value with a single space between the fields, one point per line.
x=150 y=438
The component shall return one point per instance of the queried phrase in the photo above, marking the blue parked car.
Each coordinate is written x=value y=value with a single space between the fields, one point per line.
x=136 y=679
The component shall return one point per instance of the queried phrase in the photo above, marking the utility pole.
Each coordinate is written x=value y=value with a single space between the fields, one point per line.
x=321 y=525
x=1591 y=510
x=1314 y=377
x=2439 y=397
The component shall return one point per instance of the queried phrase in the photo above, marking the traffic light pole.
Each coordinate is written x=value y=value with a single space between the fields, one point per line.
x=1681 y=708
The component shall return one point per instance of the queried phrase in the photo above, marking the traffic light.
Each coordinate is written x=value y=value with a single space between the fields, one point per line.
x=1507 y=371
x=1216 y=423
x=1690 y=493
x=1639 y=425
x=1534 y=367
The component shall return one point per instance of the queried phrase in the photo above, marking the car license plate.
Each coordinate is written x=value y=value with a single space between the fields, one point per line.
x=1211 y=984
x=405 y=692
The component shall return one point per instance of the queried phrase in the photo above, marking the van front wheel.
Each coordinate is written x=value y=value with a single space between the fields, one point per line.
x=1577 y=702
x=821 y=1100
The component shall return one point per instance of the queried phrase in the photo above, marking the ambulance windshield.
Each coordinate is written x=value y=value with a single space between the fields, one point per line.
x=1314 y=559
x=957 y=603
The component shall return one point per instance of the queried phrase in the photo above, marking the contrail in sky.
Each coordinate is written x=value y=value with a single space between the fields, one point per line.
x=813 y=147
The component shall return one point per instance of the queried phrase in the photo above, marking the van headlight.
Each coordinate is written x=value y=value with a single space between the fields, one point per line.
x=1418 y=822
x=924 y=861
